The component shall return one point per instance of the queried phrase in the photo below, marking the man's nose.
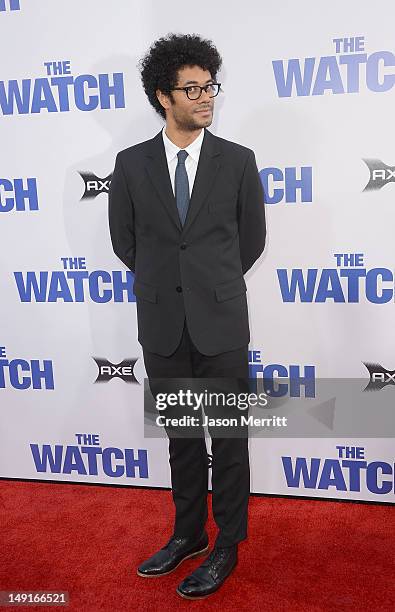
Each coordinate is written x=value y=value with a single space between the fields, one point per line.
x=204 y=97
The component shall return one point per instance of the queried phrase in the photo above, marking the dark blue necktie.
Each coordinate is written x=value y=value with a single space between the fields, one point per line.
x=181 y=186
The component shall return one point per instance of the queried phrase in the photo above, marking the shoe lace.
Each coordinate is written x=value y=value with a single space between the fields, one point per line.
x=216 y=557
x=173 y=542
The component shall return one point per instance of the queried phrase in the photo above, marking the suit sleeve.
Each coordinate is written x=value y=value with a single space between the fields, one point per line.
x=121 y=217
x=251 y=215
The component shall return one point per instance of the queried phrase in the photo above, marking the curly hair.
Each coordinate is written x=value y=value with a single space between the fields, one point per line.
x=167 y=55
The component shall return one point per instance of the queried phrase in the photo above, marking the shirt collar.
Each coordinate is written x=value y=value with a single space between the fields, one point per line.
x=193 y=149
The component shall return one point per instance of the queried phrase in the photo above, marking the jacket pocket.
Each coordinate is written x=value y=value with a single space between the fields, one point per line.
x=230 y=289
x=146 y=292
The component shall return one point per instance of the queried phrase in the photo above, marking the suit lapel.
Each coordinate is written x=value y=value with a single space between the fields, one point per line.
x=207 y=170
x=158 y=171
x=208 y=166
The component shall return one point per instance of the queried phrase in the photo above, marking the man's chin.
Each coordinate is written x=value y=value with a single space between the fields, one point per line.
x=197 y=123
x=204 y=120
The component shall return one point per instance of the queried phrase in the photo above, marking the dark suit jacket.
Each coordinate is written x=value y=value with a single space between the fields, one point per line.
x=195 y=271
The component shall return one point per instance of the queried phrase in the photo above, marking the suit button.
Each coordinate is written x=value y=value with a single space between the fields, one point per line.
x=179 y=289
x=183 y=246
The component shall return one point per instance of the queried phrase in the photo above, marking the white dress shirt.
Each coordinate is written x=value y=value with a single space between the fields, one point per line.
x=191 y=162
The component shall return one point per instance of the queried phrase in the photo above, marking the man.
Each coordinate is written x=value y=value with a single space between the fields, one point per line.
x=187 y=217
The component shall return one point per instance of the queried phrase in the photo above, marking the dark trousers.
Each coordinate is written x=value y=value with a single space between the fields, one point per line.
x=188 y=458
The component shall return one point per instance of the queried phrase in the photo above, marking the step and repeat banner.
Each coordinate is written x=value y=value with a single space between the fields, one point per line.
x=310 y=88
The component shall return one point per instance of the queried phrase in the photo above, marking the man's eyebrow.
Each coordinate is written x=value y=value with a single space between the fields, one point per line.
x=196 y=82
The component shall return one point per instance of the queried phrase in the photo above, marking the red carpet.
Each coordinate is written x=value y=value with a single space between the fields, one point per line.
x=301 y=555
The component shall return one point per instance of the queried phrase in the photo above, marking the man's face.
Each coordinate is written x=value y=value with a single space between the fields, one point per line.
x=189 y=115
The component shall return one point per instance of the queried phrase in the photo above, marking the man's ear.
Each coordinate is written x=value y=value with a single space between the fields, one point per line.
x=163 y=99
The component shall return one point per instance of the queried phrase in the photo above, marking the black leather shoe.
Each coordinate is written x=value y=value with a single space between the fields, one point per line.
x=170 y=556
x=210 y=575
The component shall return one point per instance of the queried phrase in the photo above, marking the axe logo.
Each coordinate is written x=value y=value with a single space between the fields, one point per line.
x=380 y=174
x=379 y=377
x=94 y=185
x=108 y=370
